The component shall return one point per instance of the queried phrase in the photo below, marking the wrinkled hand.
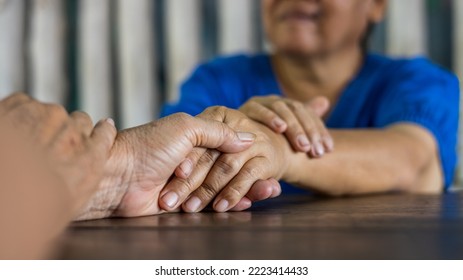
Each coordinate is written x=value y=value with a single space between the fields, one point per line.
x=229 y=177
x=64 y=147
x=145 y=157
x=301 y=123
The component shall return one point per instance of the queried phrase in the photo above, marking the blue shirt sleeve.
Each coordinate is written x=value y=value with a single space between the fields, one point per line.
x=199 y=91
x=424 y=94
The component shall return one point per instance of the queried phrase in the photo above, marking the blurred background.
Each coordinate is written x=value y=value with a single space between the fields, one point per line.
x=124 y=58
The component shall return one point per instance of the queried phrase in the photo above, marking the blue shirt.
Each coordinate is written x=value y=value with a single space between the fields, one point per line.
x=385 y=91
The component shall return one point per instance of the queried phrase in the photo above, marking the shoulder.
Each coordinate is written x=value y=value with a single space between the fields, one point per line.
x=417 y=71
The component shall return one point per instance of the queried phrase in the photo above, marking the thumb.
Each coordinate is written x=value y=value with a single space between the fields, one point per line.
x=319 y=104
x=217 y=135
x=103 y=136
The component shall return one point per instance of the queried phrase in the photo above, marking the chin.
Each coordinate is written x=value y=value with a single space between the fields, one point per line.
x=296 y=46
x=296 y=50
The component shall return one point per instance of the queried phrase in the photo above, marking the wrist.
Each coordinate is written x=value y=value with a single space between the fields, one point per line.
x=114 y=184
x=286 y=158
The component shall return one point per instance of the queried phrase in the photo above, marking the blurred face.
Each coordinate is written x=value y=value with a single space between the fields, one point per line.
x=317 y=27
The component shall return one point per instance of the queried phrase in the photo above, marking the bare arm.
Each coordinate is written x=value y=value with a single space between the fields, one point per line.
x=402 y=157
x=34 y=205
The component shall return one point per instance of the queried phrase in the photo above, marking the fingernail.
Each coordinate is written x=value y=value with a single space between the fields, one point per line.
x=278 y=123
x=276 y=190
x=330 y=144
x=222 y=206
x=303 y=141
x=192 y=205
x=319 y=150
x=111 y=122
x=186 y=167
x=246 y=136
x=170 y=199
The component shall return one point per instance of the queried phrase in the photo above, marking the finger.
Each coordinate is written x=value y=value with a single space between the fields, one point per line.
x=261 y=190
x=208 y=131
x=188 y=164
x=47 y=119
x=178 y=189
x=15 y=100
x=319 y=105
x=83 y=122
x=313 y=128
x=243 y=204
x=319 y=136
x=264 y=189
x=224 y=169
x=325 y=136
x=294 y=132
x=103 y=136
x=254 y=170
x=327 y=140
x=262 y=114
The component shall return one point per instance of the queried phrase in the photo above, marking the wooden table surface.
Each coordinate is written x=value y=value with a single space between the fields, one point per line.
x=291 y=227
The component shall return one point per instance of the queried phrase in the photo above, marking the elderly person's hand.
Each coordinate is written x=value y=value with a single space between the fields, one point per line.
x=300 y=122
x=68 y=146
x=145 y=157
x=50 y=165
x=229 y=177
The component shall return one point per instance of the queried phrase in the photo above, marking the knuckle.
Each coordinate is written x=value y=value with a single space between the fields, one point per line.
x=215 y=113
x=251 y=105
x=185 y=186
x=207 y=191
x=274 y=96
x=255 y=99
x=251 y=172
x=310 y=127
x=82 y=116
x=278 y=104
x=242 y=121
x=208 y=157
x=183 y=118
x=235 y=192
x=19 y=95
x=56 y=110
x=297 y=106
x=227 y=165
x=263 y=111
x=252 y=101
x=294 y=126
x=217 y=109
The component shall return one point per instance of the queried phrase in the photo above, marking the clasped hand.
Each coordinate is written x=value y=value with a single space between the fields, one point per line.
x=234 y=181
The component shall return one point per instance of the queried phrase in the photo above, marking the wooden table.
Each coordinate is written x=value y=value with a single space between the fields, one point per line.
x=291 y=227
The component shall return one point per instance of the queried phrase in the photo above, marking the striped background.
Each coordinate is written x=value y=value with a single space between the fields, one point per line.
x=123 y=58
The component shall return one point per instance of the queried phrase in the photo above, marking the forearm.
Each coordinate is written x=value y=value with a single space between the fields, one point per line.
x=35 y=205
x=369 y=161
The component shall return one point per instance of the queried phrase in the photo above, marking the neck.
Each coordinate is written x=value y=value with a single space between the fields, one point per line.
x=303 y=78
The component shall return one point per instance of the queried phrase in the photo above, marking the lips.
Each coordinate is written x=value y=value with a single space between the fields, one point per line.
x=297 y=15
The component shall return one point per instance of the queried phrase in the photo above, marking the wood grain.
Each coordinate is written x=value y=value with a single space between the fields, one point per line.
x=292 y=227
